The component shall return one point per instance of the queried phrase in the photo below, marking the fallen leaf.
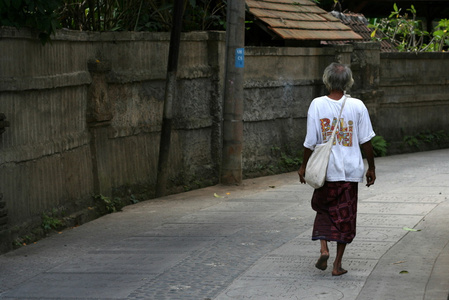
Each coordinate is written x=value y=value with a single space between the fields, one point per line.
x=217 y=196
x=410 y=229
x=403 y=272
x=272 y=186
x=398 y=262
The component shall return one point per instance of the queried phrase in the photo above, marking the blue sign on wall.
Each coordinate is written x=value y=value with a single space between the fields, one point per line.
x=239 y=57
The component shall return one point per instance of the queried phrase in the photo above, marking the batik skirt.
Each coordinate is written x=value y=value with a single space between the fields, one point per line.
x=336 y=212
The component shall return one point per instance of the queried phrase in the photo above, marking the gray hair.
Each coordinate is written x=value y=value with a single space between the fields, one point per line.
x=338 y=77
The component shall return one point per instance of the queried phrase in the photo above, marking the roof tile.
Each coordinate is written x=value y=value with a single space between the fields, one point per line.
x=300 y=20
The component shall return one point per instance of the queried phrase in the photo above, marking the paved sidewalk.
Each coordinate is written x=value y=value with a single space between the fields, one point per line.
x=252 y=244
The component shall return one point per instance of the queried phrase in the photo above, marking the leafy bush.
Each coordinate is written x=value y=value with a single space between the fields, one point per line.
x=110 y=15
x=36 y=14
x=380 y=146
x=287 y=160
x=406 y=31
x=50 y=222
x=109 y=205
x=440 y=39
x=140 y=15
x=426 y=137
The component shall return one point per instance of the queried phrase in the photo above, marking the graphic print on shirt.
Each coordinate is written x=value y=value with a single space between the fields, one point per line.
x=344 y=132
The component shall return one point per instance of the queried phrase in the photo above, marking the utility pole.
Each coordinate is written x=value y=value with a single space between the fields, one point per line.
x=170 y=95
x=231 y=172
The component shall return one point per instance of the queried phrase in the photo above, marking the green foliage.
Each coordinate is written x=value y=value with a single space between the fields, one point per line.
x=193 y=184
x=112 y=15
x=287 y=160
x=50 y=222
x=380 y=146
x=46 y=16
x=411 y=141
x=35 y=14
x=440 y=40
x=205 y=15
x=426 y=137
x=405 y=31
x=133 y=199
x=110 y=205
x=140 y=15
x=22 y=241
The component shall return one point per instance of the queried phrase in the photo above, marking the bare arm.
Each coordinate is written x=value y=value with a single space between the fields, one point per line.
x=302 y=169
x=371 y=172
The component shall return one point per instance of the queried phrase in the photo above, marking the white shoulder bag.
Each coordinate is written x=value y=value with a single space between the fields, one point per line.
x=316 y=168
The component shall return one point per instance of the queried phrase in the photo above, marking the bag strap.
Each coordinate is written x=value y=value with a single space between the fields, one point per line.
x=338 y=121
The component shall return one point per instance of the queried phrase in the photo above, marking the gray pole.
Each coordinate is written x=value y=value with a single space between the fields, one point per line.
x=170 y=94
x=231 y=172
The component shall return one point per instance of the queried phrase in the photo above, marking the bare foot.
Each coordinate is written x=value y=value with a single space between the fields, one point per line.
x=339 y=271
x=322 y=261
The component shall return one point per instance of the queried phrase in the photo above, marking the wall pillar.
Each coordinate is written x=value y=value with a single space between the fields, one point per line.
x=99 y=115
x=365 y=65
x=343 y=54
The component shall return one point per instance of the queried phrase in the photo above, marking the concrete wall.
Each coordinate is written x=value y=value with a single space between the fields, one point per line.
x=416 y=94
x=85 y=112
x=43 y=163
x=407 y=94
x=279 y=85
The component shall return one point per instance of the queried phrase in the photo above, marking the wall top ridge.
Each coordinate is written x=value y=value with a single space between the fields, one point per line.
x=113 y=36
x=415 y=55
x=289 y=51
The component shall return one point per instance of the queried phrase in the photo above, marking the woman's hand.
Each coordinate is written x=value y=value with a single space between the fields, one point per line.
x=302 y=169
x=370 y=177
x=369 y=153
x=302 y=173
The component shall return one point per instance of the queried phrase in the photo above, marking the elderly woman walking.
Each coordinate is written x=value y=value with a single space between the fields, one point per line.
x=336 y=202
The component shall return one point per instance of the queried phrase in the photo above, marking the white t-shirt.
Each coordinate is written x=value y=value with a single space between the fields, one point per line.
x=345 y=161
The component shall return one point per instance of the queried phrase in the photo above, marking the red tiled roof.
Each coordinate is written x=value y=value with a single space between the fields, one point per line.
x=300 y=20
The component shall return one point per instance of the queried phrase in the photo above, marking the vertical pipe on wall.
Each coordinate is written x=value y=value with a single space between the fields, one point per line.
x=170 y=94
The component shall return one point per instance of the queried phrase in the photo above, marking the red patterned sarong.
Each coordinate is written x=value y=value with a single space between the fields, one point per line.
x=336 y=211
